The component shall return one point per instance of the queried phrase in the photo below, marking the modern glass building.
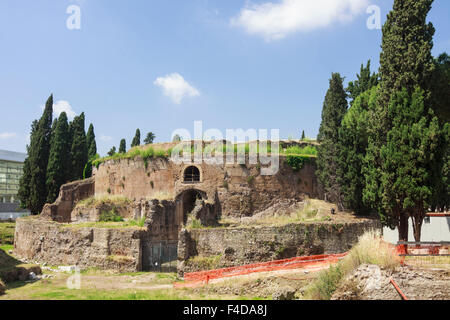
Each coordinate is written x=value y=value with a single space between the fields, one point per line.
x=11 y=169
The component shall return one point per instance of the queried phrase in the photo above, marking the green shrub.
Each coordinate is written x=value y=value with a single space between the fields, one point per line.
x=195 y=224
x=204 y=263
x=110 y=216
x=296 y=162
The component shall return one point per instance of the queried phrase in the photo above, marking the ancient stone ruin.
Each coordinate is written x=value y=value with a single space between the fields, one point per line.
x=163 y=199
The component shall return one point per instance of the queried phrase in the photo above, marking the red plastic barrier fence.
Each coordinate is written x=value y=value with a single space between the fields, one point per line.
x=318 y=261
x=423 y=249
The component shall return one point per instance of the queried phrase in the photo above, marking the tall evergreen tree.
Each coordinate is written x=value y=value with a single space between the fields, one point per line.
x=440 y=87
x=112 y=151
x=149 y=138
x=365 y=81
x=303 y=135
x=90 y=141
x=78 y=150
x=407 y=184
x=123 y=146
x=352 y=146
x=406 y=60
x=38 y=159
x=92 y=151
x=334 y=108
x=406 y=63
x=137 y=139
x=25 y=180
x=177 y=138
x=58 y=159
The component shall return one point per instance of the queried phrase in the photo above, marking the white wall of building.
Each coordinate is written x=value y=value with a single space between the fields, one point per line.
x=436 y=231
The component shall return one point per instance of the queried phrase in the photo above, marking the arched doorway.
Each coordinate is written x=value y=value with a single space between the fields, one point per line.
x=185 y=203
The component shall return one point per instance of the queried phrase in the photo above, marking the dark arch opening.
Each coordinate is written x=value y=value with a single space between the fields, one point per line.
x=191 y=175
x=186 y=202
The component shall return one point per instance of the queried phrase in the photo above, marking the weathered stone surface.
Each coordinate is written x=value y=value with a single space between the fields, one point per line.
x=285 y=293
x=50 y=242
x=239 y=189
x=69 y=195
x=240 y=246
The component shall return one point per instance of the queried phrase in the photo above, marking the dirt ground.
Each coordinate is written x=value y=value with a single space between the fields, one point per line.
x=418 y=280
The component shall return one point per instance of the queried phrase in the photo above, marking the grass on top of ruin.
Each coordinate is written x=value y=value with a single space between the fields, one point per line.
x=313 y=211
x=145 y=152
x=136 y=224
x=99 y=200
x=152 y=151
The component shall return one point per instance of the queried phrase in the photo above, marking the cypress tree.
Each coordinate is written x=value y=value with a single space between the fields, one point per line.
x=440 y=88
x=406 y=64
x=92 y=151
x=112 y=151
x=38 y=157
x=123 y=146
x=149 y=138
x=90 y=141
x=78 y=150
x=137 y=139
x=365 y=81
x=334 y=108
x=303 y=135
x=406 y=60
x=58 y=159
x=25 y=180
x=407 y=184
x=352 y=147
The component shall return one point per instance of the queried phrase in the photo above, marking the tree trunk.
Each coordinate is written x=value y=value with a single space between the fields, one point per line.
x=403 y=227
x=418 y=217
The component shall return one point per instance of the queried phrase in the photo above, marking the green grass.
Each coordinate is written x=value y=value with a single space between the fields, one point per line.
x=104 y=225
x=297 y=150
x=204 y=263
x=7 y=232
x=56 y=290
x=110 y=216
x=195 y=224
x=145 y=153
x=6 y=247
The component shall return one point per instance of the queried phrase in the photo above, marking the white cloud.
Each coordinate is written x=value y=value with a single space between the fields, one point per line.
x=277 y=20
x=7 y=135
x=62 y=106
x=105 y=138
x=175 y=87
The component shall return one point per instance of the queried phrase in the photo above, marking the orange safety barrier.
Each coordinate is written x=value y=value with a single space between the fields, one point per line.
x=312 y=262
x=422 y=249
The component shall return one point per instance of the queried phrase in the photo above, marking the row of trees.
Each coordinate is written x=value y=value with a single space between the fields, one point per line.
x=135 y=142
x=58 y=153
x=389 y=151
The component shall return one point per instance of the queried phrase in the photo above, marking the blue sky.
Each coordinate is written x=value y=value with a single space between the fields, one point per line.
x=160 y=65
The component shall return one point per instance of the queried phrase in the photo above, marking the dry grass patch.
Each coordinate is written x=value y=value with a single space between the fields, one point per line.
x=370 y=249
x=99 y=200
x=161 y=195
x=312 y=211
